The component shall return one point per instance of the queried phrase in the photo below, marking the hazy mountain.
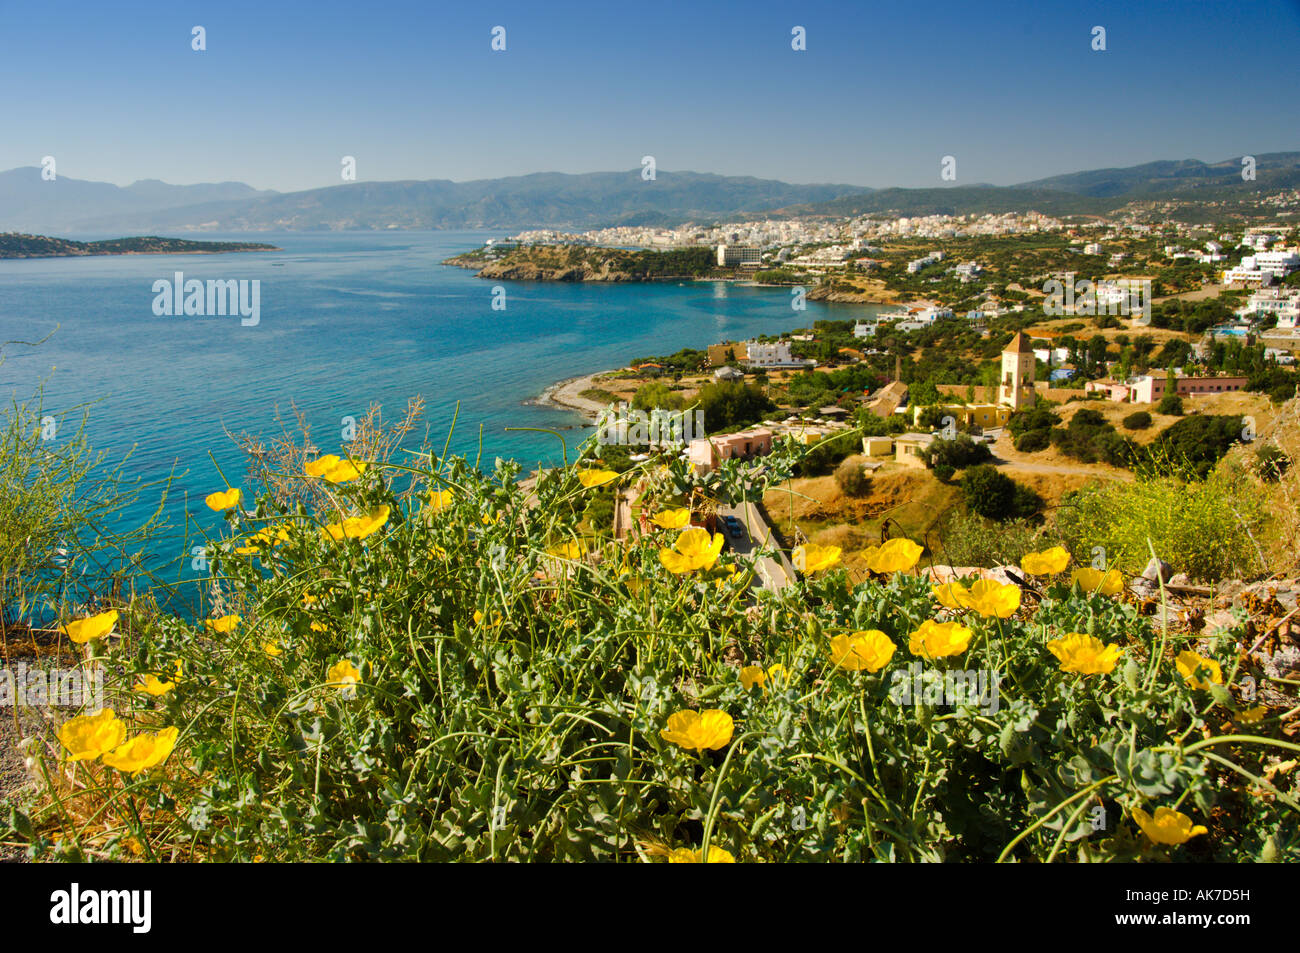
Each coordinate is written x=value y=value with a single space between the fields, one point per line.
x=1078 y=193
x=29 y=203
x=547 y=199
x=591 y=200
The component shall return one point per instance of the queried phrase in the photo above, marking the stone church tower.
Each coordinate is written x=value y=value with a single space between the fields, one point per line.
x=1017 y=388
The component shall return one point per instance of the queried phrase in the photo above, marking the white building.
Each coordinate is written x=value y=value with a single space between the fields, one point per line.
x=1282 y=302
x=1092 y=248
x=775 y=354
x=864 y=329
x=737 y=256
x=1254 y=268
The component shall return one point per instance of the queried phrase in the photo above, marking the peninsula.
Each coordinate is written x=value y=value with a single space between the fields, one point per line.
x=16 y=245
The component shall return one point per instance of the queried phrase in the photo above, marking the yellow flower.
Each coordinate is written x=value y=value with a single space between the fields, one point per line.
x=224 y=625
x=672 y=519
x=154 y=685
x=1252 y=715
x=94 y=627
x=896 y=555
x=990 y=598
x=937 y=639
x=811 y=558
x=439 y=500
x=1094 y=580
x=1168 y=826
x=1084 y=654
x=684 y=855
x=570 y=550
x=496 y=619
x=334 y=469
x=222 y=501
x=697 y=730
x=752 y=675
x=693 y=550
x=264 y=538
x=90 y=736
x=358 y=527
x=1189 y=663
x=778 y=673
x=343 y=674
x=869 y=651
x=271 y=649
x=590 y=478
x=1047 y=563
x=951 y=595
x=143 y=751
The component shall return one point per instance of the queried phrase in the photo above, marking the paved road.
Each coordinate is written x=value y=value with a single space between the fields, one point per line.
x=774 y=569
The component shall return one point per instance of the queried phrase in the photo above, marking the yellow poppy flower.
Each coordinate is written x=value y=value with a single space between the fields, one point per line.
x=94 y=627
x=357 y=527
x=777 y=673
x=937 y=639
x=896 y=555
x=496 y=619
x=89 y=736
x=684 y=855
x=343 y=674
x=570 y=550
x=1085 y=654
x=1047 y=563
x=439 y=500
x=153 y=685
x=862 y=651
x=752 y=675
x=143 y=751
x=693 y=550
x=951 y=595
x=263 y=539
x=811 y=558
x=672 y=519
x=590 y=478
x=1168 y=826
x=990 y=598
x=224 y=625
x=271 y=649
x=222 y=501
x=1094 y=580
x=1189 y=663
x=334 y=469
x=697 y=730
x=1252 y=715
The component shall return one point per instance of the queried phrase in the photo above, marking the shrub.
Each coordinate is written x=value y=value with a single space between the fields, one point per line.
x=959 y=453
x=991 y=493
x=1170 y=405
x=1272 y=462
x=1037 y=417
x=1140 y=420
x=968 y=539
x=1200 y=528
x=944 y=472
x=1032 y=441
x=851 y=478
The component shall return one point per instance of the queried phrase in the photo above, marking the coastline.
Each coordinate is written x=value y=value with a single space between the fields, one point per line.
x=566 y=395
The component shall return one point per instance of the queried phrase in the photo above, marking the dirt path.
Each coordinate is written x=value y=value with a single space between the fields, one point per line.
x=13 y=775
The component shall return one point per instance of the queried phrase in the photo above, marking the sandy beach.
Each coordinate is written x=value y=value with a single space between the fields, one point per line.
x=567 y=394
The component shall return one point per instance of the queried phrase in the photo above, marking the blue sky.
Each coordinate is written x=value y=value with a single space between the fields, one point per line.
x=1013 y=90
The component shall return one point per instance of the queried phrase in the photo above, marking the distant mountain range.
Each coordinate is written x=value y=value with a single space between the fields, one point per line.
x=591 y=200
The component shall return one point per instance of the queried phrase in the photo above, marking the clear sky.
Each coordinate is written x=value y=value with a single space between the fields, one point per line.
x=413 y=90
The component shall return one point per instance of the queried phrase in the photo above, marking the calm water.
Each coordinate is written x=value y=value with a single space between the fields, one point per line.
x=347 y=320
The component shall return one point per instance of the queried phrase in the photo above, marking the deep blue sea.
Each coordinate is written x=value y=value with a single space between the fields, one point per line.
x=347 y=320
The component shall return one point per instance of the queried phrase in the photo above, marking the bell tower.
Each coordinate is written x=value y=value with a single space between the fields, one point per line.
x=1016 y=389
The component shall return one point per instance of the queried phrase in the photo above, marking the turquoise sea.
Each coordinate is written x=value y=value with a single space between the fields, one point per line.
x=347 y=320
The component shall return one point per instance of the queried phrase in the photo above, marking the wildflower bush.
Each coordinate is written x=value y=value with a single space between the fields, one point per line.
x=418 y=660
